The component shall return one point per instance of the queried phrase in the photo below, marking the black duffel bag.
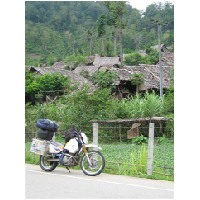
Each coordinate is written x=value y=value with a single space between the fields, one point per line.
x=45 y=134
x=70 y=134
x=47 y=124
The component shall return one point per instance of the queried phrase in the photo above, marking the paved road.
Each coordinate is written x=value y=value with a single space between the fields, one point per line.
x=60 y=184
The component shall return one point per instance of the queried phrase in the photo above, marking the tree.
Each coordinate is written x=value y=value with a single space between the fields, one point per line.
x=101 y=22
x=118 y=8
x=90 y=37
x=113 y=21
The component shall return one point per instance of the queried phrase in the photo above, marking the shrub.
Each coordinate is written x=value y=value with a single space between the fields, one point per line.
x=104 y=79
x=76 y=60
x=36 y=85
x=151 y=58
x=139 y=140
x=137 y=79
x=133 y=59
x=152 y=105
x=122 y=109
x=169 y=128
x=139 y=159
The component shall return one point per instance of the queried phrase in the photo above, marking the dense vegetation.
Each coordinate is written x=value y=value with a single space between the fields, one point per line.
x=56 y=30
x=78 y=107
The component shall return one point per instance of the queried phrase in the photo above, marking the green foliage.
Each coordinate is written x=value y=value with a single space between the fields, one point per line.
x=169 y=96
x=101 y=22
x=54 y=32
x=152 y=105
x=133 y=59
x=136 y=107
x=76 y=59
x=77 y=109
x=136 y=58
x=104 y=79
x=139 y=159
x=151 y=58
x=169 y=128
x=139 y=140
x=36 y=85
x=137 y=79
x=122 y=109
x=162 y=140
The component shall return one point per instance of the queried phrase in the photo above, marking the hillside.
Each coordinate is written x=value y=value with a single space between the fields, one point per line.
x=55 y=30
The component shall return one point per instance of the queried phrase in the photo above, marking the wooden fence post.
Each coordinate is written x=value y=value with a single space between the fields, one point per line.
x=95 y=133
x=150 y=149
x=120 y=133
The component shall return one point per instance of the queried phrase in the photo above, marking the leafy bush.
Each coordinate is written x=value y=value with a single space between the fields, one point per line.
x=169 y=101
x=48 y=82
x=104 y=79
x=169 y=128
x=133 y=59
x=76 y=60
x=136 y=58
x=137 y=79
x=151 y=58
x=136 y=106
x=139 y=140
x=122 y=108
x=152 y=105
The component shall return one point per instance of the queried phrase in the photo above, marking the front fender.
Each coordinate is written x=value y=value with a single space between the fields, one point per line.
x=93 y=146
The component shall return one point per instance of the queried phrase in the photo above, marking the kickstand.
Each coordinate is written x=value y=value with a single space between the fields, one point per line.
x=68 y=169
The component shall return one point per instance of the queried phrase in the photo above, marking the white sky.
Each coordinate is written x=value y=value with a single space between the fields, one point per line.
x=142 y=4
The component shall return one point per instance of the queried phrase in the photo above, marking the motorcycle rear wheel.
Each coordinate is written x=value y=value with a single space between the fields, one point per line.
x=46 y=165
x=98 y=163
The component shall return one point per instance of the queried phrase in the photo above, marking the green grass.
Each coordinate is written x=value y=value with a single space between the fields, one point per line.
x=131 y=159
x=128 y=159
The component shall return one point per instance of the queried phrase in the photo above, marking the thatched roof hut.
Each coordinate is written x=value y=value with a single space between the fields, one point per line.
x=90 y=69
x=106 y=61
x=75 y=78
x=167 y=59
x=98 y=63
x=151 y=74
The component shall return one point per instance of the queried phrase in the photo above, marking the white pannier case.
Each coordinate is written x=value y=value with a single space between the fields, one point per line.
x=40 y=147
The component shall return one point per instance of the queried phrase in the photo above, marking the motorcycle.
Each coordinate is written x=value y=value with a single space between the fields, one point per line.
x=92 y=162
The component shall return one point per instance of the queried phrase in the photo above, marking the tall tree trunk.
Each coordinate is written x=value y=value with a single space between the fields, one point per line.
x=115 y=41
x=121 y=51
x=102 y=46
x=91 y=43
x=73 y=47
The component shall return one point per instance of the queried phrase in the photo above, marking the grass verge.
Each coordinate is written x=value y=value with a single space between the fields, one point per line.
x=130 y=159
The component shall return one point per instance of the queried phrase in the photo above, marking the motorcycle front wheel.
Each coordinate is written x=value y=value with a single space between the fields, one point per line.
x=97 y=163
x=47 y=165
